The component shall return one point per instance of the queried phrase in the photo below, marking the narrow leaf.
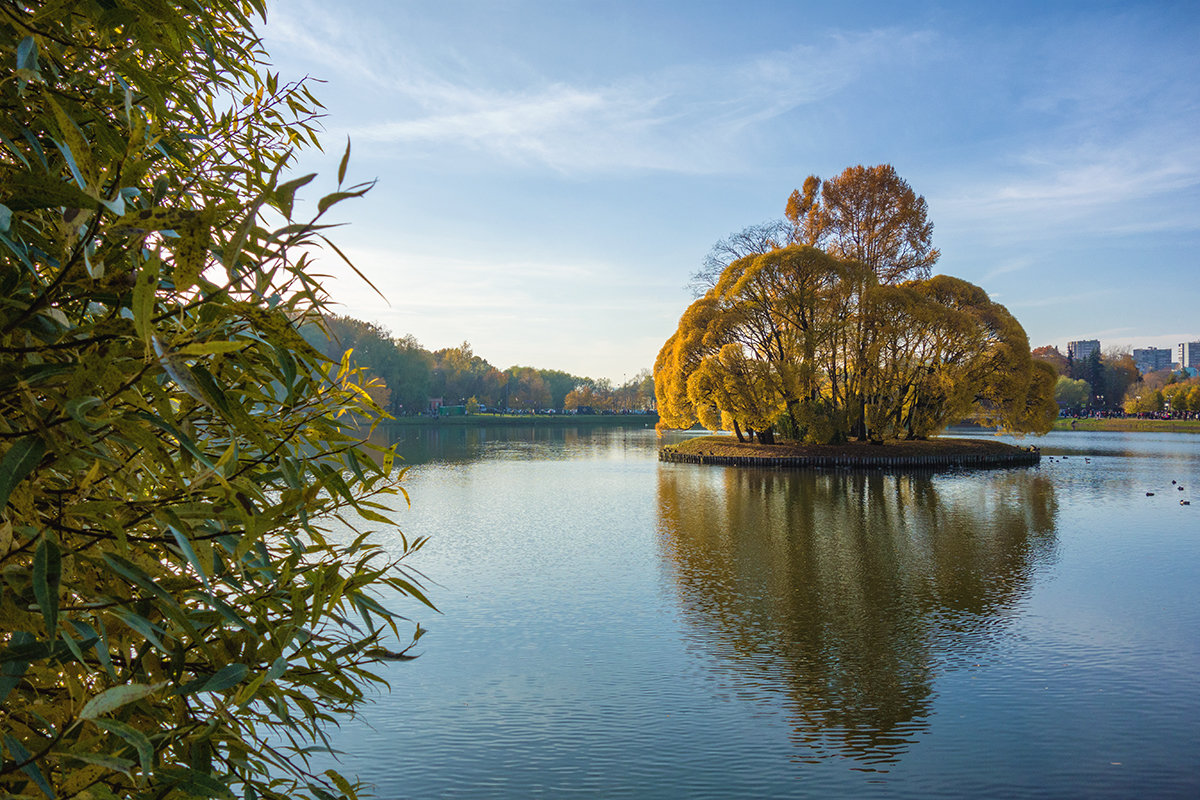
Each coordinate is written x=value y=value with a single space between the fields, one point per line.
x=114 y=763
x=47 y=573
x=27 y=54
x=117 y=696
x=13 y=668
x=144 y=289
x=209 y=348
x=195 y=783
x=190 y=554
x=141 y=625
x=345 y=161
x=285 y=194
x=133 y=736
x=278 y=667
x=78 y=407
x=20 y=754
x=231 y=675
x=17 y=463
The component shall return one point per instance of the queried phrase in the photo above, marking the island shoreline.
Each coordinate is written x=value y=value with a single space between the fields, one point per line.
x=924 y=454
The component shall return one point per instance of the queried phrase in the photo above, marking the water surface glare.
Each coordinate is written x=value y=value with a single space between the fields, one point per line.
x=616 y=627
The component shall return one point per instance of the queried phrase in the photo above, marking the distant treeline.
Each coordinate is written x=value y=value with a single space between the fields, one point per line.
x=409 y=376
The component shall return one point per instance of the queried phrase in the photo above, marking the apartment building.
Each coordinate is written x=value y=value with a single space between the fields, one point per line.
x=1188 y=354
x=1082 y=349
x=1152 y=359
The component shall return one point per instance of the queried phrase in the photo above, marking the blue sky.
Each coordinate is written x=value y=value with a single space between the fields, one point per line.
x=550 y=173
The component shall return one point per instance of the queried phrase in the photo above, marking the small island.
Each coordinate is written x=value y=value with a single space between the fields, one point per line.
x=934 y=453
x=831 y=333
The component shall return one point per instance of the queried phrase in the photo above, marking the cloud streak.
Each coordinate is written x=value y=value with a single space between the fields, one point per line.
x=690 y=119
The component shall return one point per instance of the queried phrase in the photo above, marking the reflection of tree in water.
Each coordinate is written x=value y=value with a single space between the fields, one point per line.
x=847 y=591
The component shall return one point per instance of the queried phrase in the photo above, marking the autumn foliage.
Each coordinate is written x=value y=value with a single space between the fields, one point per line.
x=845 y=335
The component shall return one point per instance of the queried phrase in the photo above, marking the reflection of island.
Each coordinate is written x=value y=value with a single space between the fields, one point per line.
x=848 y=591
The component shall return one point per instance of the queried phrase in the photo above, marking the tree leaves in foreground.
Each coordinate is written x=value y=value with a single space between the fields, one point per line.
x=188 y=595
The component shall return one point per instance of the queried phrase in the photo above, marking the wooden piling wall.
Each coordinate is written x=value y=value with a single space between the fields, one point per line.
x=872 y=461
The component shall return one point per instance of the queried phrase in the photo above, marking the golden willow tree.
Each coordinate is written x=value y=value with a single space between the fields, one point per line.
x=187 y=595
x=843 y=334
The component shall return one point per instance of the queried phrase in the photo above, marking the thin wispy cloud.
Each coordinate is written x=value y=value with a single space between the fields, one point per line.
x=1132 y=184
x=1103 y=140
x=1070 y=299
x=688 y=118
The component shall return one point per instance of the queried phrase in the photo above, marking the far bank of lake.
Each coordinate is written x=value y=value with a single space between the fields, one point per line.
x=1127 y=425
x=540 y=420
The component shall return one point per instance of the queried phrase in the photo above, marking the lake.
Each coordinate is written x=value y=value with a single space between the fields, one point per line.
x=612 y=626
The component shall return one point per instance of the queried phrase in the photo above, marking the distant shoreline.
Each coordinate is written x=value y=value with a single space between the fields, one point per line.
x=928 y=454
x=1127 y=425
x=527 y=420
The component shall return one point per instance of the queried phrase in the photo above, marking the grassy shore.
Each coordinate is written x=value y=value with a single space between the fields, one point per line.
x=526 y=420
x=729 y=446
x=1105 y=424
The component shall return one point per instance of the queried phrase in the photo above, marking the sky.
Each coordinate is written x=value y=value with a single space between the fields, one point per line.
x=548 y=175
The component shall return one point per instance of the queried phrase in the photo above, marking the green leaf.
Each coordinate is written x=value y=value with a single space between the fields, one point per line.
x=231 y=675
x=228 y=676
x=227 y=611
x=117 y=696
x=191 y=253
x=25 y=648
x=194 y=782
x=17 y=463
x=27 y=191
x=14 y=661
x=114 y=763
x=144 y=290
x=277 y=668
x=336 y=197
x=20 y=754
x=340 y=782
x=47 y=573
x=345 y=161
x=71 y=165
x=101 y=641
x=78 y=407
x=27 y=54
x=141 y=625
x=133 y=736
x=5 y=218
x=285 y=194
x=211 y=348
x=189 y=553
x=75 y=647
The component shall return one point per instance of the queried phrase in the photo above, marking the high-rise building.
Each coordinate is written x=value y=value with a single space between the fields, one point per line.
x=1082 y=349
x=1152 y=359
x=1189 y=354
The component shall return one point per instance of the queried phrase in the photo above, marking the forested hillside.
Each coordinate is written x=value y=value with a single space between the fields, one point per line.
x=409 y=376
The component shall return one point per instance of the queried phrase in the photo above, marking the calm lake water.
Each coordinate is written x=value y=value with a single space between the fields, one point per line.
x=615 y=627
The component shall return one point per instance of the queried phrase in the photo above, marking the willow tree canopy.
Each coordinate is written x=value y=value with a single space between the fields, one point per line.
x=801 y=341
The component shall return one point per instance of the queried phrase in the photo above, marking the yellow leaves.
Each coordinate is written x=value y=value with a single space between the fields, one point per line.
x=796 y=332
x=870 y=215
